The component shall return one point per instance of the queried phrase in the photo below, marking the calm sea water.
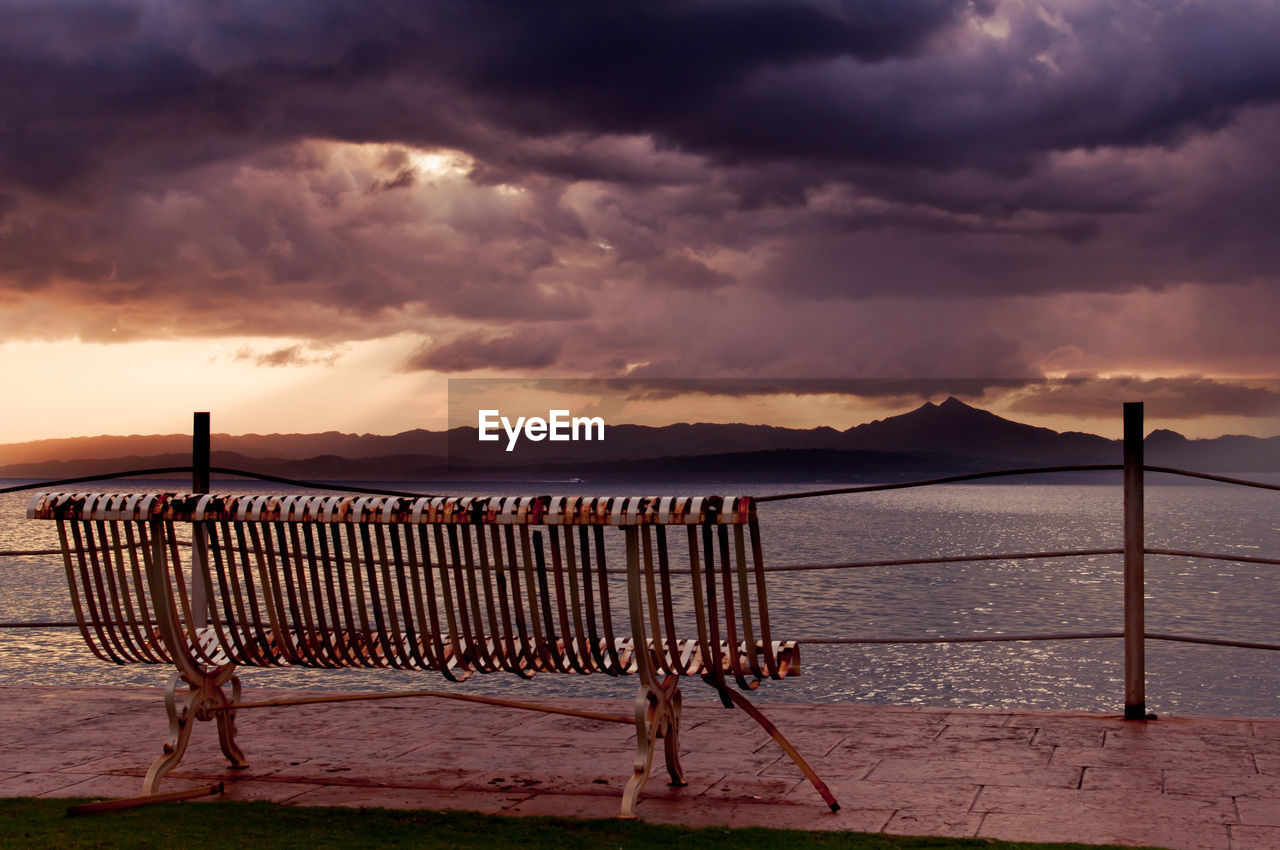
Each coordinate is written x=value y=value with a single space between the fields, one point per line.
x=1190 y=597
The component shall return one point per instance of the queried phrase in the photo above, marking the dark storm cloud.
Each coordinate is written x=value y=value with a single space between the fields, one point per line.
x=477 y=351
x=881 y=83
x=663 y=188
x=841 y=83
x=646 y=67
x=187 y=82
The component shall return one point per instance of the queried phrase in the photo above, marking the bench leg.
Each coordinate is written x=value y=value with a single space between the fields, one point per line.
x=792 y=753
x=180 y=719
x=657 y=716
x=227 y=730
x=184 y=711
x=671 y=736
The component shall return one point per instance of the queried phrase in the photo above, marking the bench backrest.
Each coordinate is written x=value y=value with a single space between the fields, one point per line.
x=458 y=585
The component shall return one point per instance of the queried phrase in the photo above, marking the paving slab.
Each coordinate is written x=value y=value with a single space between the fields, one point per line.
x=1255 y=837
x=946 y=825
x=1126 y=779
x=1179 y=782
x=1268 y=764
x=928 y=771
x=1259 y=811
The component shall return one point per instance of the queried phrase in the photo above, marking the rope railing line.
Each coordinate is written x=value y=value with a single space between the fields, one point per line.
x=70 y=624
x=947 y=479
x=239 y=473
x=104 y=476
x=894 y=562
x=320 y=485
x=776 y=497
x=906 y=562
x=998 y=473
x=853 y=641
x=1243 y=482
x=774 y=568
x=1244 y=644
x=1213 y=556
x=961 y=638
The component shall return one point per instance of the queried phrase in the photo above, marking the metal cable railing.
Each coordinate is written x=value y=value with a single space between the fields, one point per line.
x=842 y=565
x=222 y=470
x=102 y=476
x=946 y=479
x=1243 y=482
x=1132 y=552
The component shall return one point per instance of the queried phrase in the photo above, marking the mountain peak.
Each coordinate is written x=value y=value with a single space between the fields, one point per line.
x=961 y=430
x=950 y=405
x=1163 y=437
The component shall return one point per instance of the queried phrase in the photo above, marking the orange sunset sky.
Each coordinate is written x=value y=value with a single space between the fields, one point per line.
x=310 y=216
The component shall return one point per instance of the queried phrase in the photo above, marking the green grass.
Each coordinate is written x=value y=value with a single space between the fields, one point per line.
x=29 y=822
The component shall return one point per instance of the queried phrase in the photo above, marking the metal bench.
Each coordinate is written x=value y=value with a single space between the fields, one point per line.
x=455 y=585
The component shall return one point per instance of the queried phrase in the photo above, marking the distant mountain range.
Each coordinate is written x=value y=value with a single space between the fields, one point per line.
x=933 y=439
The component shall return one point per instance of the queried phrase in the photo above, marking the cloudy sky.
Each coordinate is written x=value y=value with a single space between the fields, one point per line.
x=310 y=215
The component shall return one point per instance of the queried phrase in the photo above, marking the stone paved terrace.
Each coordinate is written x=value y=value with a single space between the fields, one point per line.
x=1045 y=776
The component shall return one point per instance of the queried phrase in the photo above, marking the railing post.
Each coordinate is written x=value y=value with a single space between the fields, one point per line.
x=200 y=453
x=1135 y=684
x=199 y=540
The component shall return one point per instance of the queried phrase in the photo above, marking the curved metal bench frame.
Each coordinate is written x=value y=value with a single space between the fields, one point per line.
x=455 y=585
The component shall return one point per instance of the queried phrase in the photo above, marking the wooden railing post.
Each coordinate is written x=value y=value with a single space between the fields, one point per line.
x=199 y=540
x=1135 y=685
